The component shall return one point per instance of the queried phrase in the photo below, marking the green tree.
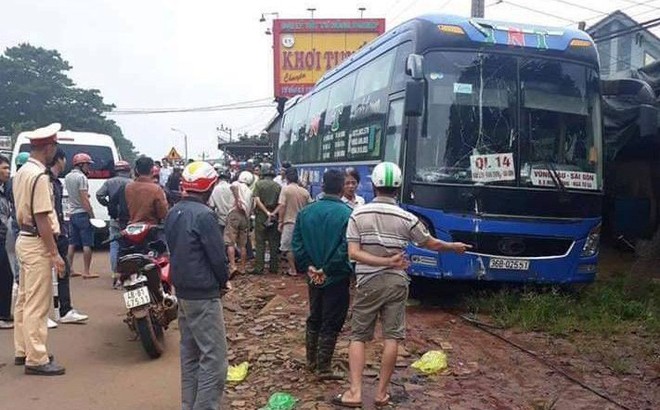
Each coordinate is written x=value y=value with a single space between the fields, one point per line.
x=35 y=90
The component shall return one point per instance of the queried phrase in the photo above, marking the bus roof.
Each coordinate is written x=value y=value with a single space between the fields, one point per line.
x=447 y=31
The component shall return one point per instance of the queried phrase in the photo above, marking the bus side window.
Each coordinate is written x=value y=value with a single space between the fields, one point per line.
x=374 y=76
x=399 y=77
x=315 y=126
x=394 y=133
x=284 y=149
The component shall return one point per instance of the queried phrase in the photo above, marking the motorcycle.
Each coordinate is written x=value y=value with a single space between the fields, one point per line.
x=143 y=266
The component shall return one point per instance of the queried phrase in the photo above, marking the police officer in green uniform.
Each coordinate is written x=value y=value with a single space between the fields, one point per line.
x=266 y=195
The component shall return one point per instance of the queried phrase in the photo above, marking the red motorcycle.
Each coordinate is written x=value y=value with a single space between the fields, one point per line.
x=144 y=270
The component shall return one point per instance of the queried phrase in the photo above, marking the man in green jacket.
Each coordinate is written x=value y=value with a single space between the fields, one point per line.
x=320 y=248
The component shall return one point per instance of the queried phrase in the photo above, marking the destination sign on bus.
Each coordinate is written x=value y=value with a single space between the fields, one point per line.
x=570 y=179
x=492 y=167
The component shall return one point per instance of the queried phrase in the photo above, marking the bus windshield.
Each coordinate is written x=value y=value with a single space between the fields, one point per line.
x=509 y=120
x=103 y=166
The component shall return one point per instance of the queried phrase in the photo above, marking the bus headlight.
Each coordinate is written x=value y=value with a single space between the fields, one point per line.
x=593 y=241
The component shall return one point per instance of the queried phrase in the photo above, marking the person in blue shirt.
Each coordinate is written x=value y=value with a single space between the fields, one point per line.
x=199 y=274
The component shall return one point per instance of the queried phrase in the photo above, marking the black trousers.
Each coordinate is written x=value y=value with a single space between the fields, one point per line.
x=328 y=307
x=6 y=284
x=63 y=289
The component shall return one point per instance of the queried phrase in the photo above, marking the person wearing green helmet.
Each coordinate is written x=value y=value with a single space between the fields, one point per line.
x=378 y=234
x=21 y=159
x=10 y=245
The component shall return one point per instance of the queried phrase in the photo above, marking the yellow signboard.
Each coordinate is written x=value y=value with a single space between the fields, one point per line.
x=306 y=49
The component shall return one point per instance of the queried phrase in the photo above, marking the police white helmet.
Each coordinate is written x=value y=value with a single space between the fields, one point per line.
x=386 y=175
x=246 y=178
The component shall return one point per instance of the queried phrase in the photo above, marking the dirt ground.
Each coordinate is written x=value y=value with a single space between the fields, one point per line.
x=265 y=325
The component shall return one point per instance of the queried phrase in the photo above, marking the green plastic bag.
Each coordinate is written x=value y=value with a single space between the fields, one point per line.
x=237 y=373
x=280 y=401
x=431 y=362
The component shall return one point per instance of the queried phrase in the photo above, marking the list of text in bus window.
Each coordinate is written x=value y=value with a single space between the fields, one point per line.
x=360 y=141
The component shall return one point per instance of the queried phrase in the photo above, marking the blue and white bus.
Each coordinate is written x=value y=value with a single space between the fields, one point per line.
x=497 y=127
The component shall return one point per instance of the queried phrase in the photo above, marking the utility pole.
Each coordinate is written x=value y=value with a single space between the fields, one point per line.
x=361 y=10
x=478 y=8
x=185 y=142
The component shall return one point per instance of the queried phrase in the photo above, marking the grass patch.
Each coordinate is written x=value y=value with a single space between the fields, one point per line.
x=612 y=306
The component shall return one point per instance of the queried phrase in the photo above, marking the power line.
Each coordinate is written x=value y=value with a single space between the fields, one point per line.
x=577 y=5
x=404 y=9
x=642 y=4
x=537 y=11
x=603 y=14
x=196 y=108
x=629 y=30
x=236 y=105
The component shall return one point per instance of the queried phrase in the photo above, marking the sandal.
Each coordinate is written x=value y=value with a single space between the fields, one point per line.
x=384 y=402
x=90 y=276
x=338 y=400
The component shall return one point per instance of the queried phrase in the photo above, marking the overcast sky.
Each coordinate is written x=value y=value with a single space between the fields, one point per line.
x=191 y=53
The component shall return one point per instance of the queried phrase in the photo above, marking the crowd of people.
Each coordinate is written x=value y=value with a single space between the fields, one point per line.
x=210 y=215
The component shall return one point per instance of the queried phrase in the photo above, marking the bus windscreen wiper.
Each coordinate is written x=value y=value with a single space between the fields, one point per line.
x=555 y=176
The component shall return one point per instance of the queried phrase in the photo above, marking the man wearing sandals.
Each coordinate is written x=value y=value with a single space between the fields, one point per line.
x=81 y=232
x=377 y=235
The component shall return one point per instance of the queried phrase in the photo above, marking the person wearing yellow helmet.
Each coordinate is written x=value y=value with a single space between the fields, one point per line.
x=199 y=274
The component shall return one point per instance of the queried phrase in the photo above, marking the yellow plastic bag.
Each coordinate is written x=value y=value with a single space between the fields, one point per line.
x=237 y=373
x=431 y=362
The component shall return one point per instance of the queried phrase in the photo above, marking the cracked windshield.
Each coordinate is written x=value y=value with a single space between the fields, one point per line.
x=506 y=120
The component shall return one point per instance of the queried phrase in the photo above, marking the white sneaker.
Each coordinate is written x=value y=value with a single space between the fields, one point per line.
x=6 y=325
x=52 y=324
x=73 y=316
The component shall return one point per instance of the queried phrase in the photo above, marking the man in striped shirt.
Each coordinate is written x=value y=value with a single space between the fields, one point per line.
x=377 y=235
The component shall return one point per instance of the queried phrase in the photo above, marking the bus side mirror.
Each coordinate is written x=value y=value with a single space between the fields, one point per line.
x=414 y=66
x=414 y=105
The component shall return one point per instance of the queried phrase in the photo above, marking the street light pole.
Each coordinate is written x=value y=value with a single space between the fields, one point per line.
x=185 y=142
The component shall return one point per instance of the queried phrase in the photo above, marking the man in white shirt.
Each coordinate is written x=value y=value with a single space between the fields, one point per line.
x=222 y=199
x=238 y=221
x=281 y=178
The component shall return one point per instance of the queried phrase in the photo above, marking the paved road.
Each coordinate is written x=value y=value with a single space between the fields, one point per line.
x=104 y=369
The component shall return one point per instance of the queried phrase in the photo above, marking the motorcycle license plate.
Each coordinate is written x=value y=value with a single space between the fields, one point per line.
x=137 y=297
x=509 y=264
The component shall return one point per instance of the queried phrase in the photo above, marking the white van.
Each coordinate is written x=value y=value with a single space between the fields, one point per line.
x=100 y=147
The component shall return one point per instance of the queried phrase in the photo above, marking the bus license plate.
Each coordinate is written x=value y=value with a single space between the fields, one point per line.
x=509 y=264
x=137 y=297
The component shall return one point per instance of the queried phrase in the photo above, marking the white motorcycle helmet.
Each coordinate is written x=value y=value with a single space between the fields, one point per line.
x=246 y=178
x=386 y=175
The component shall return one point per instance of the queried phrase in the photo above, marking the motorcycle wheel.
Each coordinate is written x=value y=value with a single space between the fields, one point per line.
x=151 y=336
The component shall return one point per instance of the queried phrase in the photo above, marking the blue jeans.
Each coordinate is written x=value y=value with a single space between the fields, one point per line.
x=114 y=230
x=82 y=231
x=203 y=353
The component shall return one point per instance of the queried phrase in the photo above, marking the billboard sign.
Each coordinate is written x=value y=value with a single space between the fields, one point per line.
x=304 y=49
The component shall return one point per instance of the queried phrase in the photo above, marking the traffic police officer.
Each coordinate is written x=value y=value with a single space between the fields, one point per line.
x=37 y=253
